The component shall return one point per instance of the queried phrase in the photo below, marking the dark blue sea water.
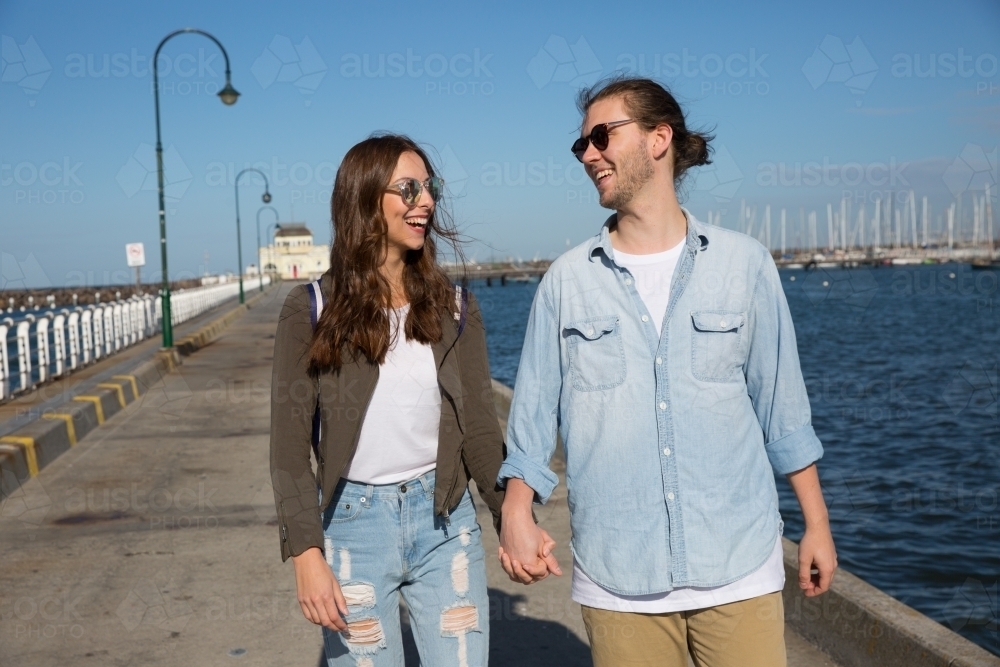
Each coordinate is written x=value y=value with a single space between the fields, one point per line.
x=901 y=368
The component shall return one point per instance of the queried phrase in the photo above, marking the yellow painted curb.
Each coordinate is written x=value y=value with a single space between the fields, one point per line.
x=96 y=400
x=70 y=429
x=29 y=450
x=130 y=378
x=118 y=389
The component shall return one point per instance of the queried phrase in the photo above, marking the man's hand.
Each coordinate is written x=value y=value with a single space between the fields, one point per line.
x=525 y=549
x=318 y=592
x=816 y=550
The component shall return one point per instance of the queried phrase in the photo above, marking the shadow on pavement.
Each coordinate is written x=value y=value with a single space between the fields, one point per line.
x=515 y=639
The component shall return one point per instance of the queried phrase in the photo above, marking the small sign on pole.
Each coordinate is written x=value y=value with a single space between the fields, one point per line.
x=136 y=254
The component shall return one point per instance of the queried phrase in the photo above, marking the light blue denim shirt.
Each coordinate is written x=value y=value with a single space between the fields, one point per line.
x=670 y=440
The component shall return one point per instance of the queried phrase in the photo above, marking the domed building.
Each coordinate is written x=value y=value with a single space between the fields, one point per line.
x=293 y=255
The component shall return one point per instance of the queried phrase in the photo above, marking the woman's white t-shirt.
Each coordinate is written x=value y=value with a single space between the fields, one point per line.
x=652 y=275
x=399 y=436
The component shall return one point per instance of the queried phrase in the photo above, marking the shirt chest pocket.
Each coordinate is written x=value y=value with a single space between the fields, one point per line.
x=596 y=353
x=717 y=343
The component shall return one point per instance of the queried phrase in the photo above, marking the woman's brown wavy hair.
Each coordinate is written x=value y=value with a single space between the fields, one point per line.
x=355 y=318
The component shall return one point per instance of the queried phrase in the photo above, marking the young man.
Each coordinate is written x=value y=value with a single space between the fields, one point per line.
x=663 y=352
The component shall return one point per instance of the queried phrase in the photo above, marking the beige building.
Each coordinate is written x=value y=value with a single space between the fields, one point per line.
x=293 y=255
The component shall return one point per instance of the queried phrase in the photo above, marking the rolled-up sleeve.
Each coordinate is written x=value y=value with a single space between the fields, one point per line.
x=533 y=420
x=774 y=377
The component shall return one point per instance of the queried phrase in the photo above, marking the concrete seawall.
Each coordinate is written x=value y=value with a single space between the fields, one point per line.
x=855 y=623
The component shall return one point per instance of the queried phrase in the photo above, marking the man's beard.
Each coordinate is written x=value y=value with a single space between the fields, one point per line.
x=633 y=171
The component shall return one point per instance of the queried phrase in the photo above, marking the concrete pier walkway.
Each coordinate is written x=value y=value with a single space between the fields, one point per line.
x=153 y=541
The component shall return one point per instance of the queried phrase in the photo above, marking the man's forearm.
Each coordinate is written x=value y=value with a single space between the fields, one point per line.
x=518 y=498
x=805 y=484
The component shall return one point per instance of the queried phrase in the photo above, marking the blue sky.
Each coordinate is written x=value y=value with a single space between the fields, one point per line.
x=808 y=104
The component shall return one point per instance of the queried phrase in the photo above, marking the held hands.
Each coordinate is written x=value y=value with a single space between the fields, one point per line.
x=319 y=593
x=816 y=552
x=525 y=549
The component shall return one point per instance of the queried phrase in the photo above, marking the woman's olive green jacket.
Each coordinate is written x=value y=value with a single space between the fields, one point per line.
x=470 y=443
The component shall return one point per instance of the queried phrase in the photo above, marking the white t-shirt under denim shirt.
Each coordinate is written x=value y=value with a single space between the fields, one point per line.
x=652 y=275
x=399 y=436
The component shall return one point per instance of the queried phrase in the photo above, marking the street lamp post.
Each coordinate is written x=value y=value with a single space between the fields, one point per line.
x=266 y=198
x=228 y=95
x=260 y=268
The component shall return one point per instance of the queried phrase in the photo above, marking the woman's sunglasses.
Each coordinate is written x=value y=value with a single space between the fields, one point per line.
x=598 y=136
x=410 y=188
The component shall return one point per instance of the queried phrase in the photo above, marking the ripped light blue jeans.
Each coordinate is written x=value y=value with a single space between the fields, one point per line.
x=383 y=541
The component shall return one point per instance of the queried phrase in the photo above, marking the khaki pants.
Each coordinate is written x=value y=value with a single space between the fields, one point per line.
x=750 y=633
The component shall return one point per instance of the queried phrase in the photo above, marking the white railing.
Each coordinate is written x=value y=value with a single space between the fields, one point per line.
x=41 y=346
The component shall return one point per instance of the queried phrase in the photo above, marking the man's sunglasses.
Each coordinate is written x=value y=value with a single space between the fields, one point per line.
x=598 y=137
x=410 y=188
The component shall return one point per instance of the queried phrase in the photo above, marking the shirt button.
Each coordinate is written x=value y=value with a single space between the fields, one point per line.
x=670 y=496
x=590 y=332
x=628 y=281
x=659 y=360
x=666 y=451
x=645 y=318
x=663 y=405
x=722 y=323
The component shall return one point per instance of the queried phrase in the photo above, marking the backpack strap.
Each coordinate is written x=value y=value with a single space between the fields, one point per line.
x=315 y=302
x=461 y=307
x=315 y=310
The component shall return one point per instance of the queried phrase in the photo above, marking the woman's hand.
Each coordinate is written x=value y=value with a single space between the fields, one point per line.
x=525 y=549
x=318 y=592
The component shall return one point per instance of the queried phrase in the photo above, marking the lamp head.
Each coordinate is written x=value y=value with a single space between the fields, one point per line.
x=228 y=94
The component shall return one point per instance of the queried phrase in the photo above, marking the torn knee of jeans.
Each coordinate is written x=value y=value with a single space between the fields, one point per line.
x=365 y=662
x=464 y=536
x=364 y=635
x=459 y=620
x=358 y=595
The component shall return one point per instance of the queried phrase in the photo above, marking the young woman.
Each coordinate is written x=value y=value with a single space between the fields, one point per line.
x=396 y=363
